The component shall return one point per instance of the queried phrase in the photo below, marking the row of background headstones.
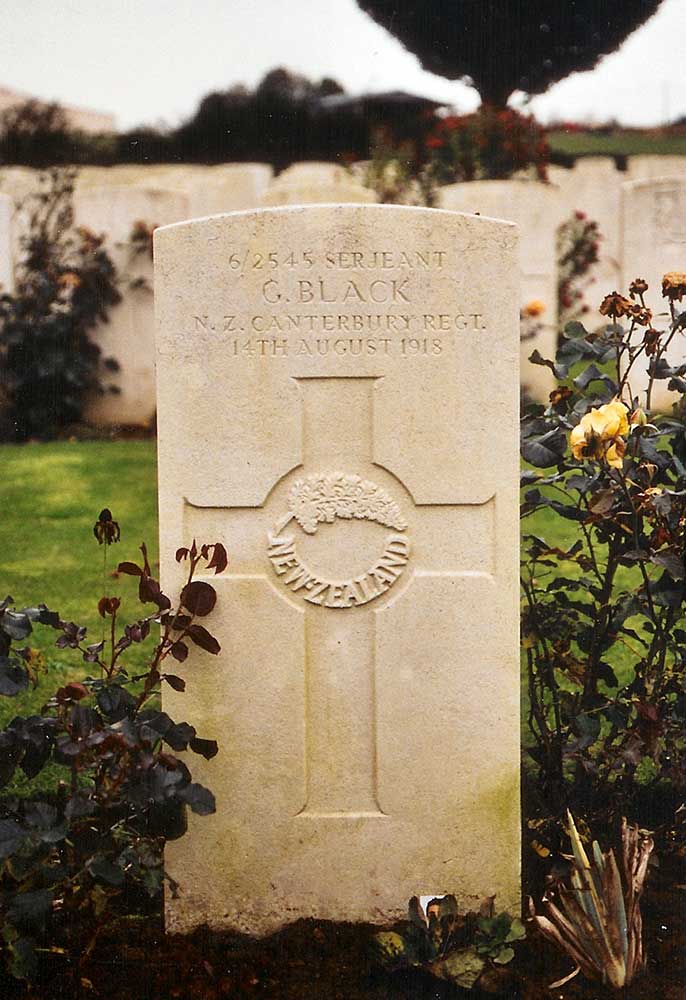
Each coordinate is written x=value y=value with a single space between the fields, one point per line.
x=641 y=214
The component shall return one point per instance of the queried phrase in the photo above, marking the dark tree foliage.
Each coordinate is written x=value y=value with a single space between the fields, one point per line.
x=36 y=133
x=507 y=45
x=279 y=122
x=286 y=118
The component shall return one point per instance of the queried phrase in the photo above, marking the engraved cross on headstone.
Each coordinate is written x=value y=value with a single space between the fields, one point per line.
x=385 y=540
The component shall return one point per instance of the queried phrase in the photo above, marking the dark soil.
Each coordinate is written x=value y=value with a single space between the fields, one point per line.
x=318 y=960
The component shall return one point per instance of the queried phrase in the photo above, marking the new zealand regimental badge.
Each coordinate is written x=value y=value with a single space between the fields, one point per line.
x=320 y=499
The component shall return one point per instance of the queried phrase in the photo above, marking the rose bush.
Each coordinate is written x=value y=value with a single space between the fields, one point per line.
x=603 y=614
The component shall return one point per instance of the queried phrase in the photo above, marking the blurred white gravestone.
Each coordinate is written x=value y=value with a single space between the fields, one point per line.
x=654 y=228
x=314 y=171
x=594 y=188
x=129 y=335
x=229 y=188
x=655 y=165
x=337 y=404
x=535 y=208
x=340 y=189
x=6 y=247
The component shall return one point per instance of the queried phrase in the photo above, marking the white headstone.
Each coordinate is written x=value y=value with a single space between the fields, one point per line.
x=337 y=191
x=654 y=227
x=594 y=187
x=120 y=175
x=229 y=188
x=535 y=208
x=338 y=405
x=313 y=171
x=655 y=165
x=129 y=335
x=19 y=184
x=6 y=247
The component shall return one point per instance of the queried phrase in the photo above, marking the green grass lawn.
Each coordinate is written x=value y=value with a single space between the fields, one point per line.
x=629 y=143
x=50 y=497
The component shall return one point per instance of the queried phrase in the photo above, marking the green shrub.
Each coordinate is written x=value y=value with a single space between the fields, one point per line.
x=72 y=860
x=603 y=618
x=65 y=285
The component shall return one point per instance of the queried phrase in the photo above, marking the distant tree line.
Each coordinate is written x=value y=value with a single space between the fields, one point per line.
x=285 y=118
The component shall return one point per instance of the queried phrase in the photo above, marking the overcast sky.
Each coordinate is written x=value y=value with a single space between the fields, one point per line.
x=149 y=61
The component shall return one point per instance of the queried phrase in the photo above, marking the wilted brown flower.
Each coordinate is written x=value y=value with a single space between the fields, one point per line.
x=559 y=395
x=105 y=528
x=640 y=314
x=615 y=304
x=674 y=285
x=651 y=339
x=639 y=286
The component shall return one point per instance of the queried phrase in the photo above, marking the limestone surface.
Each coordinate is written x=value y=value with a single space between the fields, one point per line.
x=654 y=229
x=317 y=190
x=129 y=335
x=229 y=188
x=338 y=405
x=6 y=247
x=535 y=208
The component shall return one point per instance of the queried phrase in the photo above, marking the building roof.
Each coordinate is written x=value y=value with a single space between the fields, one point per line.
x=83 y=119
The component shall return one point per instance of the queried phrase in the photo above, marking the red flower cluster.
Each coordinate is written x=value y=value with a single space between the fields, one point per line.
x=489 y=144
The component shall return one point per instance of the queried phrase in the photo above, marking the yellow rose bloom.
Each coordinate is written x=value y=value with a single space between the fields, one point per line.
x=616 y=415
x=614 y=455
x=599 y=434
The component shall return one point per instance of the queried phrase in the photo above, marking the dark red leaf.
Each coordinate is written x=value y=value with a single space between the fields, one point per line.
x=129 y=568
x=146 y=564
x=163 y=602
x=201 y=637
x=149 y=590
x=74 y=691
x=177 y=683
x=199 y=597
x=179 y=651
x=181 y=554
x=206 y=748
x=179 y=621
x=219 y=560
